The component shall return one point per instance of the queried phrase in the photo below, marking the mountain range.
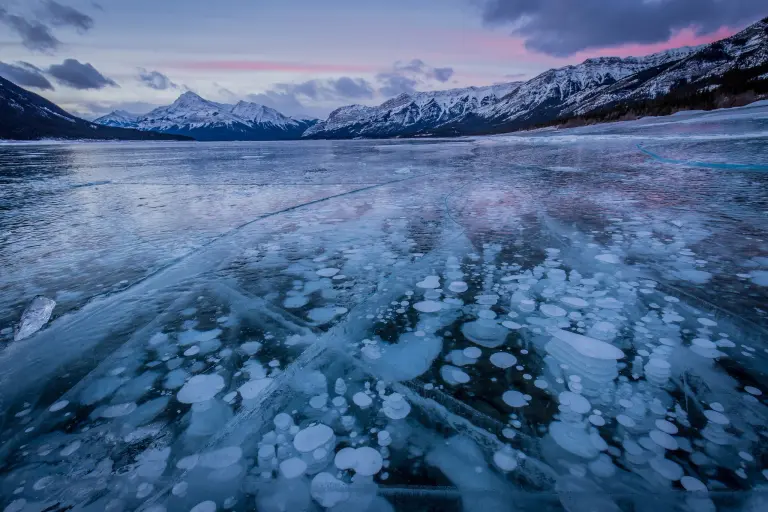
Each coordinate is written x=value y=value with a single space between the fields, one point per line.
x=27 y=116
x=722 y=73
x=206 y=120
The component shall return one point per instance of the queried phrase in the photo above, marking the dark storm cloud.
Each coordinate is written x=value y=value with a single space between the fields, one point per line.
x=404 y=77
x=34 y=35
x=62 y=15
x=564 y=27
x=25 y=75
x=77 y=75
x=156 y=80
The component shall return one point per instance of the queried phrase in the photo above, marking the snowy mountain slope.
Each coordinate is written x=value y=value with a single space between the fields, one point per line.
x=202 y=119
x=608 y=82
x=118 y=118
x=558 y=91
x=703 y=69
x=27 y=116
x=408 y=114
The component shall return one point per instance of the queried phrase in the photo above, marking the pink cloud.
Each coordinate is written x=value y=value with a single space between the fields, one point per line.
x=267 y=66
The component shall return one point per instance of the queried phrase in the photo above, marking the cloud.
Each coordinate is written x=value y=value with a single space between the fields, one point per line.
x=269 y=66
x=404 y=77
x=34 y=35
x=393 y=84
x=330 y=89
x=281 y=101
x=77 y=75
x=443 y=74
x=562 y=27
x=62 y=16
x=25 y=74
x=156 y=80
x=91 y=109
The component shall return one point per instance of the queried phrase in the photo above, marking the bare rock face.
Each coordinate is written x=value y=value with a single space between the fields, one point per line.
x=34 y=317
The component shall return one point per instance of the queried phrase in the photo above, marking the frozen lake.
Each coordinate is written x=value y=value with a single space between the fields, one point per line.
x=560 y=320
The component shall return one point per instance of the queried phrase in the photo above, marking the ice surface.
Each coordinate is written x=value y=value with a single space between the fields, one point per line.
x=34 y=317
x=482 y=333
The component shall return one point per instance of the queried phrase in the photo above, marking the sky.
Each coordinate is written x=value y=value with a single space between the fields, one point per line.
x=308 y=57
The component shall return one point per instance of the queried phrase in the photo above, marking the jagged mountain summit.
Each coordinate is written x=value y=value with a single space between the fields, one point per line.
x=408 y=114
x=25 y=115
x=202 y=119
x=119 y=118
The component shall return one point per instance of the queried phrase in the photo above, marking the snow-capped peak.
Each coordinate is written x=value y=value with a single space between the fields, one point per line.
x=260 y=114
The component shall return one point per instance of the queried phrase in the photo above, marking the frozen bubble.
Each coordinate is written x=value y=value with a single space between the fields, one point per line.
x=59 y=405
x=587 y=346
x=577 y=403
x=204 y=506
x=251 y=347
x=514 y=399
x=396 y=408
x=116 y=411
x=575 y=302
x=458 y=287
x=453 y=375
x=200 y=388
x=716 y=417
x=368 y=461
x=625 y=420
x=70 y=449
x=503 y=360
x=666 y=426
x=254 y=388
x=666 y=468
x=551 y=310
x=541 y=384
x=753 y=391
x=692 y=484
x=293 y=467
x=192 y=351
x=180 y=489
x=706 y=322
x=313 y=437
x=328 y=491
x=345 y=458
x=607 y=258
x=511 y=325
x=663 y=439
x=429 y=282
x=472 y=352
x=221 y=458
x=327 y=272
x=505 y=460
x=428 y=306
x=323 y=315
x=746 y=456
x=596 y=420
x=296 y=301
x=362 y=400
